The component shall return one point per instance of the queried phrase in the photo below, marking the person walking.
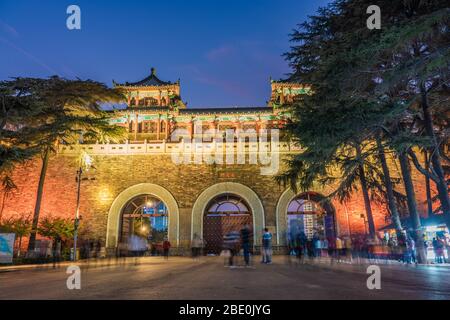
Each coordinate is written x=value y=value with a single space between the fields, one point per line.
x=196 y=246
x=331 y=249
x=317 y=245
x=348 y=249
x=447 y=247
x=245 y=241
x=56 y=251
x=231 y=244
x=435 y=249
x=166 y=248
x=310 y=248
x=339 y=248
x=411 y=247
x=440 y=251
x=300 y=247
x=267 y=247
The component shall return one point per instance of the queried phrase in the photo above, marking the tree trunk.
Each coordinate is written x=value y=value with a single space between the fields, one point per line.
x=389 y=188
x=5 y=194
x=20 y=247
x=365 y=192
x=435 y=157
x=428 y=186
x=412 y=207
x=37 y=207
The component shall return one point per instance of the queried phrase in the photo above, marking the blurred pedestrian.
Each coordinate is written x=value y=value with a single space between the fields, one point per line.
x=439 y=250
x=231 y=244
x=331 y=249
x=166 y=248
x=348 y=249
x=56 y=252
x=411 y=248
x=339 y=248
x=196 y=246
x=267 y=247
x=370 y=247
x=316 y=245
x=245 y=241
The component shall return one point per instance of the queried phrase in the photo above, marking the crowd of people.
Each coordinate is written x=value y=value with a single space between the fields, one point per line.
x=402 y=247
x=235 y=242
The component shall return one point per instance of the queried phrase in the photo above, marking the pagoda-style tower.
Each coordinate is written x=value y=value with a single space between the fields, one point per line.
x=152 y=92
x=155 y=111
x=285 y=92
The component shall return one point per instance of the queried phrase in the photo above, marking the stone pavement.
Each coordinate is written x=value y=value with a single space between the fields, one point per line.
x=207 y=278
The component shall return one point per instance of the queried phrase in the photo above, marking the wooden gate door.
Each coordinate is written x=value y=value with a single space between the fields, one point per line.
x=215 y=227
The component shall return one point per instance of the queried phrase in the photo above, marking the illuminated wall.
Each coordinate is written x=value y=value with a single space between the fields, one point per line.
x=115 y=173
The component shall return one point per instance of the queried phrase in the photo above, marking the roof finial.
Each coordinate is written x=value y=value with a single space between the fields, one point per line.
x=153 y=71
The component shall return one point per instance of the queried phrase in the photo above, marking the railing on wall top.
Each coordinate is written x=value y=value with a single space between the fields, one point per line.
x=170 y=147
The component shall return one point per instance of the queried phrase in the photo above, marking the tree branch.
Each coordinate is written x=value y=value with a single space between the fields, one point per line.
x=420 y=168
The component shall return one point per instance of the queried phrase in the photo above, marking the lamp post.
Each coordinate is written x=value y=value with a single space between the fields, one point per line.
x=363 y=216
x=348 y=221
x=85 y=161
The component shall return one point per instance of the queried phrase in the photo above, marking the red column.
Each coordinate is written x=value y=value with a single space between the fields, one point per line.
x=158 y=128
x=191 y=129
x=136 y=126
x=167 y=129
x=238 y=129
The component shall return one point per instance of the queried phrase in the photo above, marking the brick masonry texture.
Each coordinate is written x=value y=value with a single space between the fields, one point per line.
x=114 y=173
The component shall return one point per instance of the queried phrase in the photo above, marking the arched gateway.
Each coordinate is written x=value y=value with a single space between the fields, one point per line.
x=308 y=213
x=134 y=209
x=224 y=214
x=225 y=206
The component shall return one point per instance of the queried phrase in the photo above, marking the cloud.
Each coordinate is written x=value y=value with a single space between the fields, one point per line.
x=68 y=72
x=220 y=52
x=29 y=56
x=9 y=30
x=208 y=79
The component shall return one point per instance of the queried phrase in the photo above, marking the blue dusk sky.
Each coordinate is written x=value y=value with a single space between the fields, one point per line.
x=224 y=51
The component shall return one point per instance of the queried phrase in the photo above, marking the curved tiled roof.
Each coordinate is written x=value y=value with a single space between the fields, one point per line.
x=150 y=81
x=290 y=80
x=226 y=110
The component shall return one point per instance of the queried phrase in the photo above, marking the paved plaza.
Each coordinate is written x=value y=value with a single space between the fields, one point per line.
x=207 y=278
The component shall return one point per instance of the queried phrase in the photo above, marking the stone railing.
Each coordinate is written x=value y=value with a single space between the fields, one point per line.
x=170 y=147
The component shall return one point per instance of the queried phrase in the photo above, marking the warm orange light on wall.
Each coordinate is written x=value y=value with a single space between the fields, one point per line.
x=105 y=194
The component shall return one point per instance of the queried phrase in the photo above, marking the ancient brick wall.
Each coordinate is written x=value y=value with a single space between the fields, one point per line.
x=114 y=173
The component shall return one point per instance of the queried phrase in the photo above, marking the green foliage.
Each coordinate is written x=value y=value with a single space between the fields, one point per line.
x=56 y=228
x=367 y=85
x=362 y=82
x=20 y=225
x=38 y=114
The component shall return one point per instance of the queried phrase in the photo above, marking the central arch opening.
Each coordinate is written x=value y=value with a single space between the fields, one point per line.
x=309 y=215
x=223 y=214
x=144 y=224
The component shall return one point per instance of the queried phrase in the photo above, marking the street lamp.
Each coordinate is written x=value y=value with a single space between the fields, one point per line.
x=348 y=221
x=363 y=216
x=85 y=162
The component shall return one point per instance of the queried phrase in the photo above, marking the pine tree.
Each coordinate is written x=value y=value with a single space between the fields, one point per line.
x=63 y=111
x=344 y=61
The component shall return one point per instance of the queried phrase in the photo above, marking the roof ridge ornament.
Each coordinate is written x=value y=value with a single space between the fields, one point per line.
x=153 y=71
